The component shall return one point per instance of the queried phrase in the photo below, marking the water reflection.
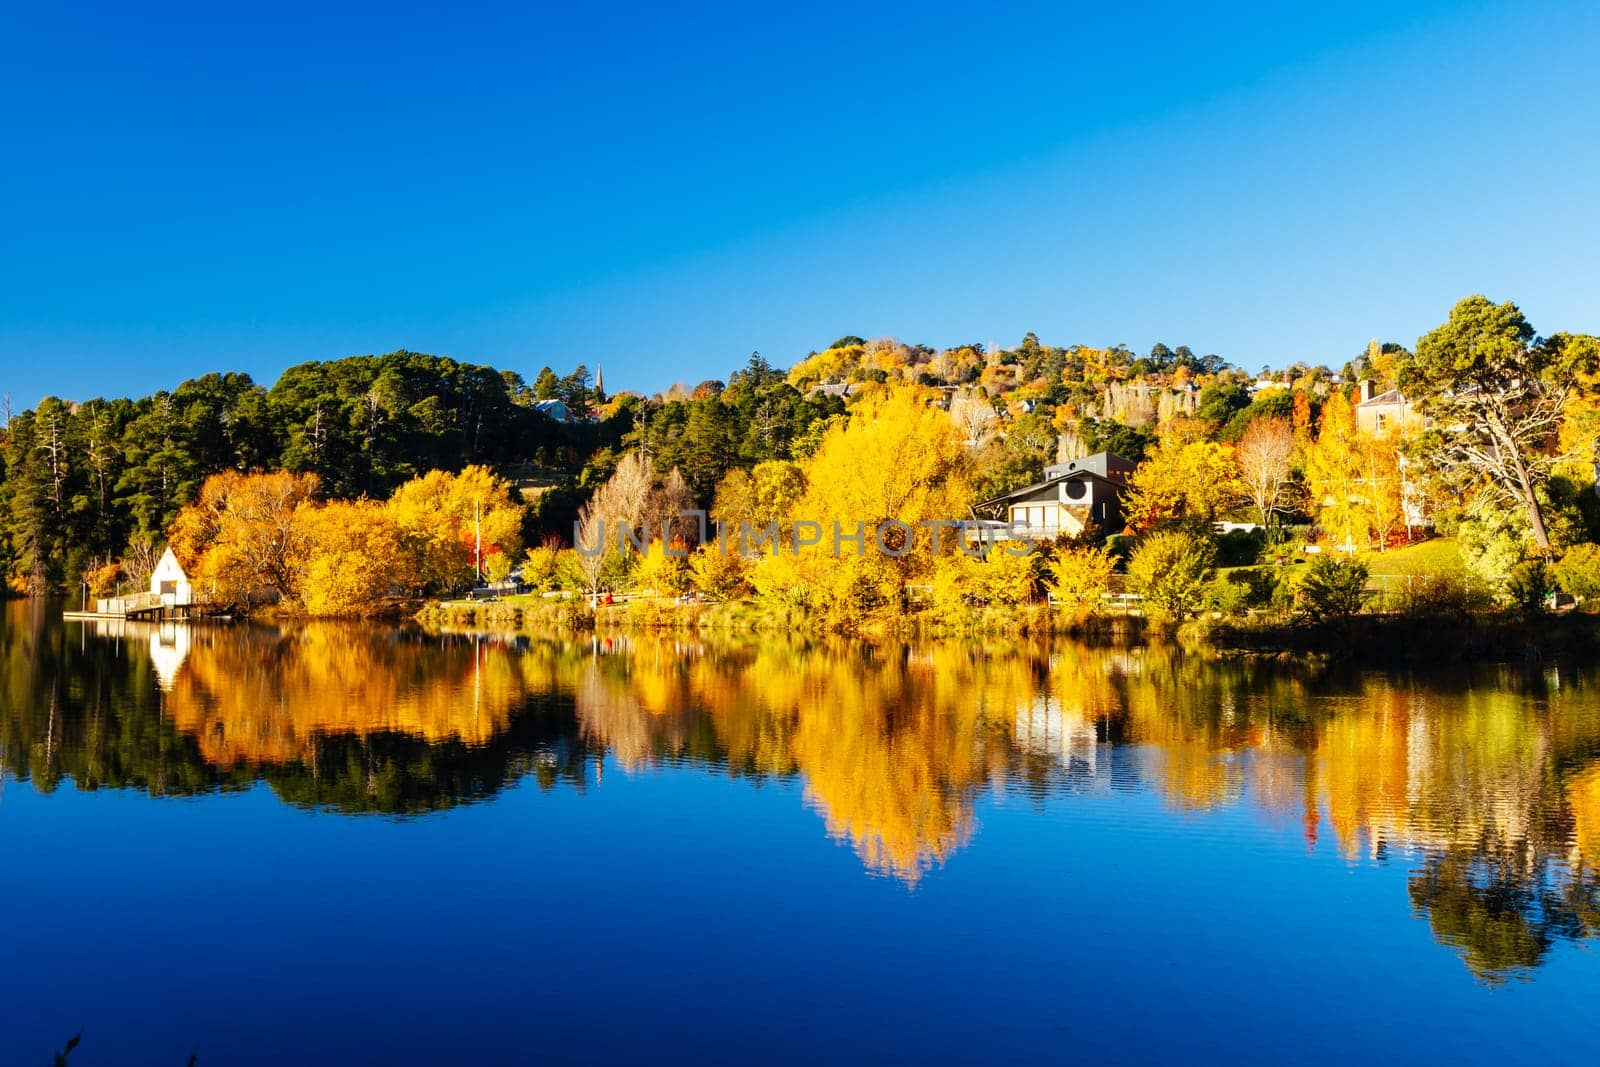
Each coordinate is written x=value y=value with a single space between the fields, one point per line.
x=1488 y=787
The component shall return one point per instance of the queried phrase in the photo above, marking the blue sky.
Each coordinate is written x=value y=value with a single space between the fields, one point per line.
x=198 y=187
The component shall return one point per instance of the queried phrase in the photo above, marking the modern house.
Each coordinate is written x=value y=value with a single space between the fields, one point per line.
x=1073 y=494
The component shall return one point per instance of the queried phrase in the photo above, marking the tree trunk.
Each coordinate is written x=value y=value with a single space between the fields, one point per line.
x=1530 y=501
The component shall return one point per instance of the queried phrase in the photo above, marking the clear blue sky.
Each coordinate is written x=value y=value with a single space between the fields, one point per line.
x=197 y=187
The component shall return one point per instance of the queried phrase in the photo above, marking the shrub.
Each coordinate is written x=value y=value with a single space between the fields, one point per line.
x=1003 y=577
x=1333 y=588
x=1241 y=548
x=1228 y=594
x=1438 y=590
x=1578 y=572
x=1265 y=587
x=718 y=574
x=1528 y=585
x=1081 y=577
x=1170 y=570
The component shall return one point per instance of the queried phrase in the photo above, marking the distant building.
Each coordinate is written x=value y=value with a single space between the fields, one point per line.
x=1380 y=412
x=555 y=409
x=1073 y=494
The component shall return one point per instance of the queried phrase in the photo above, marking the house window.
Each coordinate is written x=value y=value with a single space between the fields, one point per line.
x=169 y=588
x=1076 y=489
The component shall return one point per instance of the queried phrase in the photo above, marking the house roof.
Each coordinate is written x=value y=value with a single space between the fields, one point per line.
x=1107 y=467
x=1388 y=399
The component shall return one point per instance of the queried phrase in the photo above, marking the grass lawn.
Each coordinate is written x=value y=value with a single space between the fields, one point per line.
x=1431 y=556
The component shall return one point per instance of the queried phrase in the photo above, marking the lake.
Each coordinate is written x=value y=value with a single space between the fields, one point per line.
x=337 y=844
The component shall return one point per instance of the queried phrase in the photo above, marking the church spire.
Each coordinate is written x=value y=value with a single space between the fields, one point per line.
x=599 y=382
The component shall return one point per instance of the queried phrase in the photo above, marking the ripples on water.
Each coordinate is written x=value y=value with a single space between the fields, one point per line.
x=1484 y=787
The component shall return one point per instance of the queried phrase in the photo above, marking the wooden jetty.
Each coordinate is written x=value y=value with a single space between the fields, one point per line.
x=148 y=606
x=170 y=597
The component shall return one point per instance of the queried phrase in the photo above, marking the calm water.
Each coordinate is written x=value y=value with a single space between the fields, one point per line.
x=349 y=844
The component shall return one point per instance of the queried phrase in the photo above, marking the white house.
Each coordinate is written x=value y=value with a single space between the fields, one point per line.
x=169 y=582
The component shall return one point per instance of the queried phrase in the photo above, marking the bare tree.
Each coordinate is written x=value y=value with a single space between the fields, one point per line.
x=624 y=500
x=667 y=504
x=974 y=415
x=139 y=562
x=1264 y=456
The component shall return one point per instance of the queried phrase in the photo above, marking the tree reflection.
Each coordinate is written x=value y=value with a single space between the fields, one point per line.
x=1488 y=785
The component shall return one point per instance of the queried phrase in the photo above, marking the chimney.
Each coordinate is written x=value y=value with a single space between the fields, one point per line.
x=1369 y=389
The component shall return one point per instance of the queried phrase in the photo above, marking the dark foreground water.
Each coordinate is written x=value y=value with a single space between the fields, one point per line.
x=348 y=845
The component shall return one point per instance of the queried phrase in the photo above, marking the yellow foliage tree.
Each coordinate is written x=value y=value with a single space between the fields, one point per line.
x=717 y=574
x=1335 y=474
x=765 y=494
x=352 y=558
x=661 y=573
x=541 y=568
x=1081 y=577
x=1002 y=576
x=244 y=533
x=897 y=459
x=442 y=518
x=1183 y=481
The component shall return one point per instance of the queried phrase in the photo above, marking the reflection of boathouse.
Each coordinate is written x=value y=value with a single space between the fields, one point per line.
x=169 y=647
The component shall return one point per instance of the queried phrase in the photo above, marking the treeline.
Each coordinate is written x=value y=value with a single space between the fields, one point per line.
x=1486 y=432
x=1491 y=444
x=81 y=482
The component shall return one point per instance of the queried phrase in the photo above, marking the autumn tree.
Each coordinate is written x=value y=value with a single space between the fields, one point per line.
x=1080 y=577
x=1265 y=455
x=1384 y=493
x=1182 y=481
x=895 y=461
x=245 y=533
x=974 y=416
x=765 y=494
x=352 y=556
x=1336 y=475
x=662 y=570
x=621 y=503
x=894 y=465
x=1495 y=393
x=449 y=523
x=718 y=572
x=1170 y=570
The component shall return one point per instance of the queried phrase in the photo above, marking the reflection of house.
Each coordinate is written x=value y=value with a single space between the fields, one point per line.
x=169 y=582
x=1072 y=495
x=1382 y=412
x=169 y=647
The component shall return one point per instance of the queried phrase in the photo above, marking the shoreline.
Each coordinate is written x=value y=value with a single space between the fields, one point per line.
x=1376 y=639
